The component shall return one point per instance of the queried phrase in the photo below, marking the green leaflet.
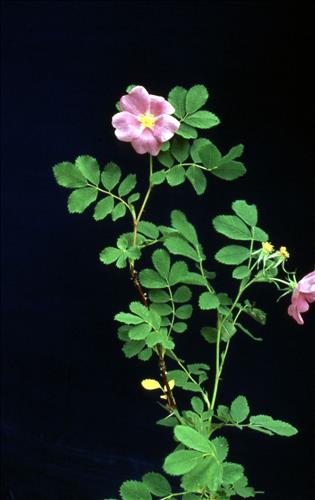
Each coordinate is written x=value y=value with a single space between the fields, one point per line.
x=180 y=462
x=166 y=146
x=241 y=272
x=221 y=446
x=109 y=255
x=179 y=376
x=129 y=319
x=133 y=347
x=184 y=312
x=197 y=146
x=162 y=262
x=193 y=279
x=158 y=177
x=119 y=211
x=209 y=334
x=239 y=409
x=162 y=309
x=187 y=131
x=166 y=159
x=157 y=484
x=110 y=175
x=182 y=294
x=208 y=300
x=177 y=97
x=242 y=489
x=229 y=170
x=149 y=278
x=178 y=270
x=139 y=332
x=275 y=426
x=196 y=97
x=202 y=119
x=148 y=229
x=209 y=155
x=180 y=149
x=89 y=168
x=178 y=246
x=235 y=152
x=257 y=314
x=232 y=227
x=127 y=185
x=185 y=228
x=159 y=296
x=103 y=208
x=131 y=490
x=197 y=405
x=223 y=413
x=232 y=472
x=68 y=175
x=232 y=254
x=207 y=473
x=197 y=179
x=180 y=327
x=80 y=199
x=146 y=354
x=176 y=175
x=246 y=212
x=259 y=234
x=193 y=439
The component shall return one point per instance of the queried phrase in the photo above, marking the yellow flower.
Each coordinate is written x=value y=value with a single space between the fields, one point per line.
x=267 y=247
x=284 y=252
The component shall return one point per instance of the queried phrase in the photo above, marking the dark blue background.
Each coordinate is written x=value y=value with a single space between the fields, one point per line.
x=75 y=423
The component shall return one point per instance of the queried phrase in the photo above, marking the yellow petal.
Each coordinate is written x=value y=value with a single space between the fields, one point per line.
x=163 y=396
x=150 y=384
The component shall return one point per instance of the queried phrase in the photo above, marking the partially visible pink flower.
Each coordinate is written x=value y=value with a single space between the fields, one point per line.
x=302 y=296
x=145 y=121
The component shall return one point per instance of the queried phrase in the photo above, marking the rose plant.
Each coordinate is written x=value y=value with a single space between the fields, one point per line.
x=198 y=466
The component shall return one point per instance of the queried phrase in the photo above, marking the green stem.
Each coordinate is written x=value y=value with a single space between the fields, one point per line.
x=173 y=310
x=144 y=203
x=219 y=365
x=193 y=165
x=204 y=394
x=113 y=196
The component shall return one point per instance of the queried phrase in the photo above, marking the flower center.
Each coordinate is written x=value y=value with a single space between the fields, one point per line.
x=147 y=120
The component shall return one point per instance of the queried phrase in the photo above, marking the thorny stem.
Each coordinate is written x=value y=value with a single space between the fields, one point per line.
x=171 y=403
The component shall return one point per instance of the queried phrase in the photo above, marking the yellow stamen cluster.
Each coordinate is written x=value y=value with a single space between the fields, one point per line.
x=147 y=120
x=284 y=252
x=267 y=247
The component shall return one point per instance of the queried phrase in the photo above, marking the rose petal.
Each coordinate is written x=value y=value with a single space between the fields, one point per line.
x=292 y=311
x=307 y=284
x=165 y=127
x=160 y=106
x=136 y=102
x=301 y=304
x=127 y=125
x=147 y=143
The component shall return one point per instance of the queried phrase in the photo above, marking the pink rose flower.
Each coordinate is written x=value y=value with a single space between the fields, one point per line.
x=145 y=121
x=302 y=296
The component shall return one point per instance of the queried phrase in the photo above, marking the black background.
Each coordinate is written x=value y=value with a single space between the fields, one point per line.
x=75 y=422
